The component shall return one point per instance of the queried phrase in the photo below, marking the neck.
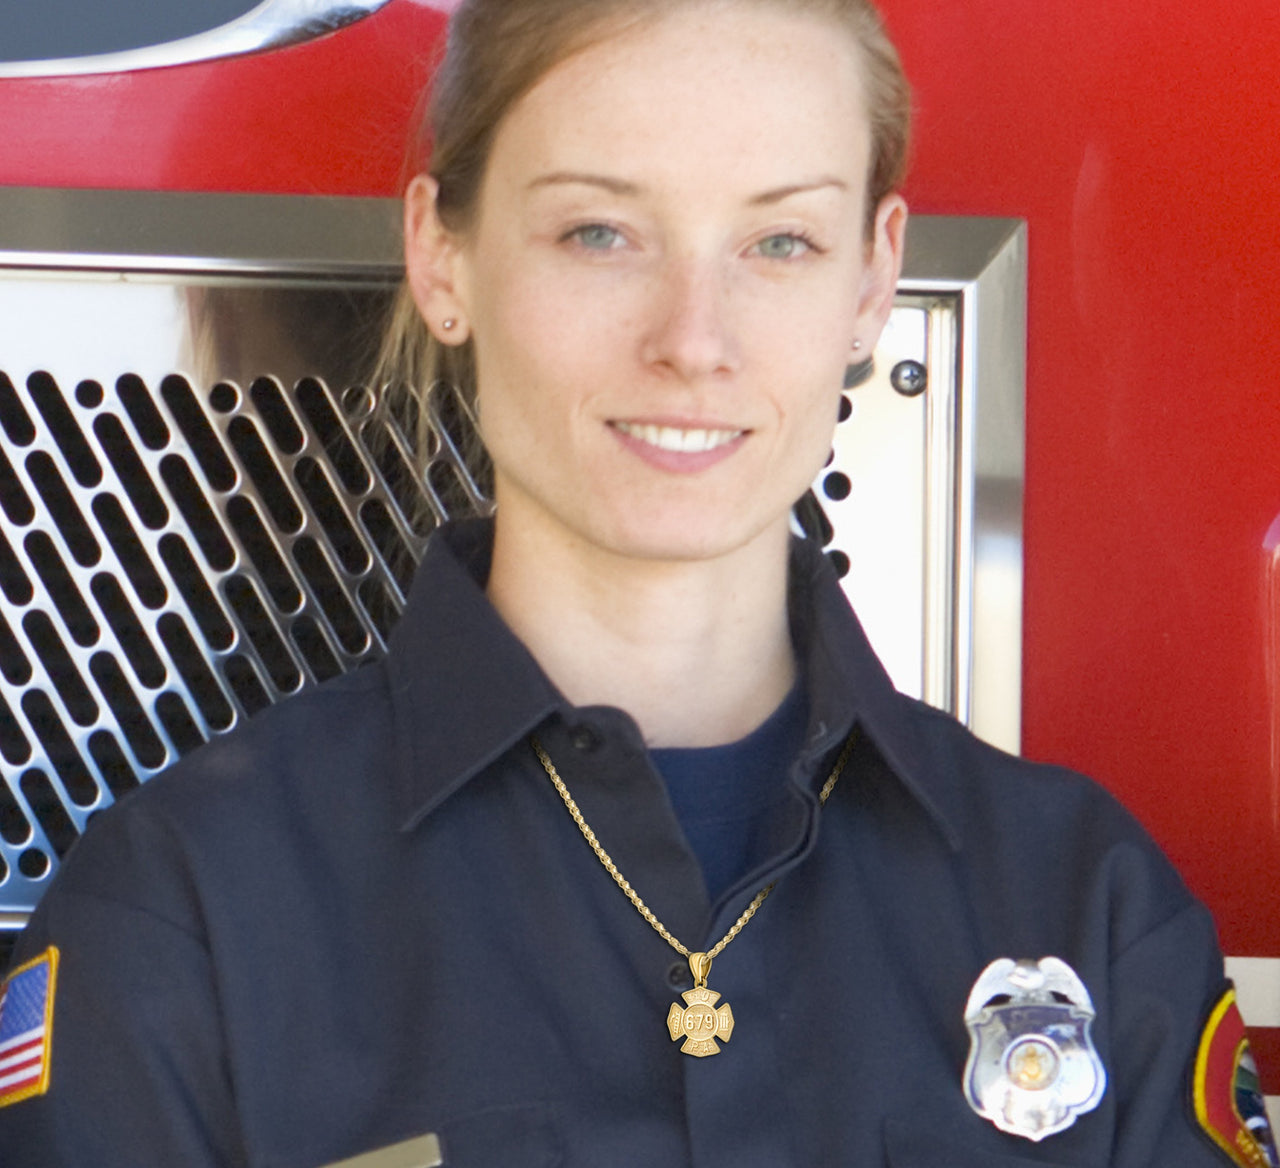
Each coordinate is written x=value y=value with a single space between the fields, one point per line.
x=697 y=652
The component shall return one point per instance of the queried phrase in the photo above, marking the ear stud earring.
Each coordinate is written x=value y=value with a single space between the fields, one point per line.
x=857 y=345
x=450 y=325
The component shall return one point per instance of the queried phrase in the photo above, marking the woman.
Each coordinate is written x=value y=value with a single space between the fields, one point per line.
x=651 y=236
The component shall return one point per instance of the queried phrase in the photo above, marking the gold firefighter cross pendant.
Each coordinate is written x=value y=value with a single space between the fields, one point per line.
x=699 y=1023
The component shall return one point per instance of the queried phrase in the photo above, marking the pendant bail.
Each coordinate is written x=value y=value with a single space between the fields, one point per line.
x=700 y=967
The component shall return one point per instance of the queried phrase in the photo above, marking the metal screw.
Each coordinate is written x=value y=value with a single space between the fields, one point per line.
x=909 y=378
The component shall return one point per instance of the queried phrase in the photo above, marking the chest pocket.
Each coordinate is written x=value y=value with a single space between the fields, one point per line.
x=918 y=1146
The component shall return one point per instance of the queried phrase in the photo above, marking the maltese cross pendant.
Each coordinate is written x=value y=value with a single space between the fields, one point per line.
x=699 y=1022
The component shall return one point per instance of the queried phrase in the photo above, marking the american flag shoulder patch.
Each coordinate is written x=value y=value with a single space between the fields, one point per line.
x=26 y=1028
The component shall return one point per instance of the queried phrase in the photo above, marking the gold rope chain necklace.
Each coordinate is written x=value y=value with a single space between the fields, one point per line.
x=699 y=1021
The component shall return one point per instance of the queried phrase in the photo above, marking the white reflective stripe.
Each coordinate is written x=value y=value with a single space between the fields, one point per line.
x=21 y=1039
x=1257 y=988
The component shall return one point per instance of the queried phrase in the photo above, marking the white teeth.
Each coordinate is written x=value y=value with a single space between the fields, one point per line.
x=679 y=441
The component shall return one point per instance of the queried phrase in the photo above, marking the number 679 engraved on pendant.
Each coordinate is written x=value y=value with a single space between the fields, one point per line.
x=699 y=1023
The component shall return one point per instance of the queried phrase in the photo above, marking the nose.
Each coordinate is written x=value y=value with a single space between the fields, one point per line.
x=691 y=332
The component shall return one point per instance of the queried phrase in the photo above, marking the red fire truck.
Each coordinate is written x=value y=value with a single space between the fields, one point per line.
x=1136 y=142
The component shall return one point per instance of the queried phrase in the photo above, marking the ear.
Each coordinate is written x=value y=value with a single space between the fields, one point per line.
x=883 y=267
x=431 y=258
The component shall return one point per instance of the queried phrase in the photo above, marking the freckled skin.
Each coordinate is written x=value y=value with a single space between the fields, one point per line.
x=664 y=287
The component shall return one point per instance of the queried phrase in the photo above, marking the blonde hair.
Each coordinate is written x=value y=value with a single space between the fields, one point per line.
x=496 y=51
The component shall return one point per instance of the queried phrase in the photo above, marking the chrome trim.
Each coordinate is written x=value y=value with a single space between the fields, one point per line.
x=273 y=24
x=928 y=511
x=177 y=232
x=974 y=272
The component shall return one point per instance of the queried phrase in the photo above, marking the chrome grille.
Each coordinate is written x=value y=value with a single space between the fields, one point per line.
x=175 y=559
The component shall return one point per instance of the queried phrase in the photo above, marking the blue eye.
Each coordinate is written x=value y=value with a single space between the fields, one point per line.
x=597 y=236
x=785 y=246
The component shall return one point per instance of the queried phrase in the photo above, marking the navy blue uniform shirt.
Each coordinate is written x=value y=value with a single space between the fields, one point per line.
x=367 y=915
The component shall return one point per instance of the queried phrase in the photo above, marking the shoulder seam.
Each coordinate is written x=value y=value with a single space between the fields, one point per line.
x=1191 y=906
x=55 y=894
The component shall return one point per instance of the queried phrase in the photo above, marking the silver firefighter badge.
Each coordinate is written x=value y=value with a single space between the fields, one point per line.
x=1032 y=1065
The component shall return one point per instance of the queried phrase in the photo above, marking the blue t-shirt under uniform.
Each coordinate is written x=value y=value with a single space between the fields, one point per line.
x=726 y=797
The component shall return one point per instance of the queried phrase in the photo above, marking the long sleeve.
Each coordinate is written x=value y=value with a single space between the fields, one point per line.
x=137 y=1074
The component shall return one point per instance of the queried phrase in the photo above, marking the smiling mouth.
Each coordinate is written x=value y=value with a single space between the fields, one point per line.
x=677 y=440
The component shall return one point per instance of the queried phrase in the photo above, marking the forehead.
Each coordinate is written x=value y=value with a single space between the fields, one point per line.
x=746 y=92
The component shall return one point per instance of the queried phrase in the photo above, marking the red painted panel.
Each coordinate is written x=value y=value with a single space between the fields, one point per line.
x=1141 y=141
x=328 y=116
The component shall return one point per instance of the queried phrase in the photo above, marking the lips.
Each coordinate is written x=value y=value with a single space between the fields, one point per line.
x=679 y=440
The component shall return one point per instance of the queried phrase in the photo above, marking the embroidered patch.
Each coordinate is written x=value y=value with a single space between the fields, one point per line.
x=26 y=1028
x=1228 y=1098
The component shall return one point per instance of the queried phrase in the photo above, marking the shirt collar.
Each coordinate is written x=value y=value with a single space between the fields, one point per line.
x=465 y=689
x=849 y=687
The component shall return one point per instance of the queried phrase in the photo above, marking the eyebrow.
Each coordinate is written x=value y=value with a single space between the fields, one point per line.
x=615 y=186
x=768 y=198
x=627 y=189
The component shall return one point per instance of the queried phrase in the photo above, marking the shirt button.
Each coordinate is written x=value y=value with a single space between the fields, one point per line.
x=584 y=738
x=679 y=976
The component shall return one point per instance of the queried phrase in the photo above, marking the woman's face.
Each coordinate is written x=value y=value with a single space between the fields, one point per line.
x=665 y=280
